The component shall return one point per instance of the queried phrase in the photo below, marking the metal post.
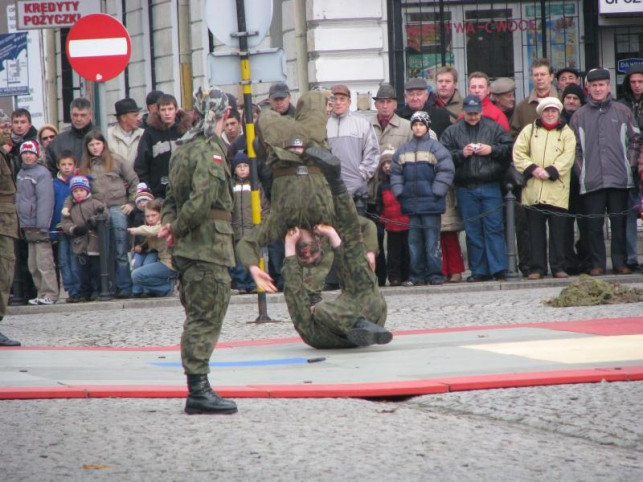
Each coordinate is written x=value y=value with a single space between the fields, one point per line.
x=246 y=84
x=510 y=232
x=101 y=226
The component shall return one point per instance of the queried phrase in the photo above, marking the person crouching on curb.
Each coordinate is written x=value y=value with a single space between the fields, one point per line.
x=80 y=226
x=156 y=278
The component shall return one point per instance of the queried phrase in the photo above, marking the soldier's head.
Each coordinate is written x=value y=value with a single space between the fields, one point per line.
x=295 y=144
x=211 y=104
x=309 y=249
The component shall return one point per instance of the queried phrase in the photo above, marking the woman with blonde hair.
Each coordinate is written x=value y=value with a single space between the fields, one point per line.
x=46 y=134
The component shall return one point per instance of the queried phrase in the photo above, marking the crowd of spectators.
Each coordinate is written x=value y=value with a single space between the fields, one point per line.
x=423 y=171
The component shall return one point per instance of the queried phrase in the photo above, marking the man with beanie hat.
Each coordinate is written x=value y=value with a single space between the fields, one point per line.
x=633 y=99
x=573 y=98
x=607 y=153
x=196 y=223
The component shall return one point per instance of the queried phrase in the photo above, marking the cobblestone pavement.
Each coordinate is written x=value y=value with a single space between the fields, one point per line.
x=570 y=432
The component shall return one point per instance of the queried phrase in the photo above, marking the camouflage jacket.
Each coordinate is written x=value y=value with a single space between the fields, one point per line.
x=8 y=215
x=200 y=182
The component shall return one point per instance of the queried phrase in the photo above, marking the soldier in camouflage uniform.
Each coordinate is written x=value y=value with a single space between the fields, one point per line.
x=300 y=194
x=8 y=232
x=196 y=222
x=357 y=316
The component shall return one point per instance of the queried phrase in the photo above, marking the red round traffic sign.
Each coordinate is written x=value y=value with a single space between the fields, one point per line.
x=98 y=47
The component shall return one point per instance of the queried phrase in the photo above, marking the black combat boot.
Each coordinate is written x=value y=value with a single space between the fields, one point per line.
x=202 y=399
x=365 y=333
x=5 y=341
x=331 y=166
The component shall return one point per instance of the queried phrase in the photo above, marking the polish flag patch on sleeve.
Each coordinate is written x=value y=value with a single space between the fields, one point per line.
x=217 y=159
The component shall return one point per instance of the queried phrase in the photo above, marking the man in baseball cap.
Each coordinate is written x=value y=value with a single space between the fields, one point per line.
x=280 y=99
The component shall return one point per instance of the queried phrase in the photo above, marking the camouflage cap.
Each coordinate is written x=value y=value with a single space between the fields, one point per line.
x=210 y=99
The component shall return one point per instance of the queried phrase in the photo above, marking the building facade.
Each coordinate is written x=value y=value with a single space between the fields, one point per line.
x=360 y=43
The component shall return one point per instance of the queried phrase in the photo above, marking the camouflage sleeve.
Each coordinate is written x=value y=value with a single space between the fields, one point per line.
x=369 y=234
x=208 y=182
x=295 y=293
x=168 y=212
x=250 y=244
x=350 y=259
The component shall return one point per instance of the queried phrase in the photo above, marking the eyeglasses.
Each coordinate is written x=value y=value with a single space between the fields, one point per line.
x=48 y=138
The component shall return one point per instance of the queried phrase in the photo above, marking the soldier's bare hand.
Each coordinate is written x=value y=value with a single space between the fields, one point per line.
x=166 y=232
x=262 y=279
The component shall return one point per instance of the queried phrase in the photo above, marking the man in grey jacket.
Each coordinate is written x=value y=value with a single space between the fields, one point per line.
x=608 y=148
x=353 y=140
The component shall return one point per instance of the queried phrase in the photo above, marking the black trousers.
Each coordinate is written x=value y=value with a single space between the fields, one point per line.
x=614 y=202
x=537 y=222
x=397 y=250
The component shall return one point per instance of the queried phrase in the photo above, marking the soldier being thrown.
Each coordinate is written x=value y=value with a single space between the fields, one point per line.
x=357 y=316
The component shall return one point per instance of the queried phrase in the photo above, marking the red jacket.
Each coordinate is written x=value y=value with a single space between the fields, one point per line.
x=390 y=209
x=492 y=112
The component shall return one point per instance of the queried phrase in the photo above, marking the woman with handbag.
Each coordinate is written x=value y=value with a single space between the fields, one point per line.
x=544 y=152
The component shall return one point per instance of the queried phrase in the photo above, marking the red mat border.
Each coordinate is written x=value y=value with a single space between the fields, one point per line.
x=353 y=390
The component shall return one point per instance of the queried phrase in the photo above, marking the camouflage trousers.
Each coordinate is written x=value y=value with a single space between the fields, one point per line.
x=7 y=260
x=204 y=289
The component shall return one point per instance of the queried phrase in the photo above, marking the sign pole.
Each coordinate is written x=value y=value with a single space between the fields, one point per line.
x=255 y=196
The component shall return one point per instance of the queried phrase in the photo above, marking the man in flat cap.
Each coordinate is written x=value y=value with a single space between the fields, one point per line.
x=124 y=136
x=416 y=97
x=503 y=95
x=566 y=76
x=608 y=150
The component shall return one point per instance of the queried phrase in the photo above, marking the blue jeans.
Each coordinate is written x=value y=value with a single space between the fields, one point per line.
x=425 y=251
x=141 y=259
x=69 y=269
x=486 y=247
x=241 y=278
x=118 y=239
x=154 y=278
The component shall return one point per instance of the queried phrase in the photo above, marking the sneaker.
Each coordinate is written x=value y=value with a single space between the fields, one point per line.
x=45 y=301
x=407 y=284
x=33 y=301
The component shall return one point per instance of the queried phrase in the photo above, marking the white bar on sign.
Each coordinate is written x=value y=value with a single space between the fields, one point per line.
x=102 y=47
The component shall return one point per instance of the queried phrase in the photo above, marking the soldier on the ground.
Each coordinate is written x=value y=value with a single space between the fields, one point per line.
x=196 y=222
x=357 y=316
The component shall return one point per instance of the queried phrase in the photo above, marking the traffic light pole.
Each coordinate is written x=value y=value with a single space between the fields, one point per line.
x=255 y=196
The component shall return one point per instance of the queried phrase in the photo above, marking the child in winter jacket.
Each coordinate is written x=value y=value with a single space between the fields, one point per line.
x=421 y=174
x=35 y=205
x=80 y=226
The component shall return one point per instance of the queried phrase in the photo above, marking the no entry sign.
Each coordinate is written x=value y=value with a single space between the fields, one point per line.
x=98 y=47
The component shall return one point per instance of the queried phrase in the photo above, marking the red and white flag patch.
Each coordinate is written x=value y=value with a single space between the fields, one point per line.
x=217 y=159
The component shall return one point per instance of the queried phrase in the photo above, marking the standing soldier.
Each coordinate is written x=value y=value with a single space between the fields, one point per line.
x=8 y=232
x=196 y=222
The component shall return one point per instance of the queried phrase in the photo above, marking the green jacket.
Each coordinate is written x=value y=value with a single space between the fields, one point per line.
x=200 y=182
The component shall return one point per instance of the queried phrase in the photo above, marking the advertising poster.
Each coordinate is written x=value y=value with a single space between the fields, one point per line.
x=14 y=71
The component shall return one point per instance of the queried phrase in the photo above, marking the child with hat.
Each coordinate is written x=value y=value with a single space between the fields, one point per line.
x=242 y=218
x=80 y=226
x=137 y=218
x=35 y=205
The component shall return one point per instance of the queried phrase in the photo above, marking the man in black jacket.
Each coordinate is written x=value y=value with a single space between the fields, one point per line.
x=72 y=138
x=416 y=97
x=481 y=150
